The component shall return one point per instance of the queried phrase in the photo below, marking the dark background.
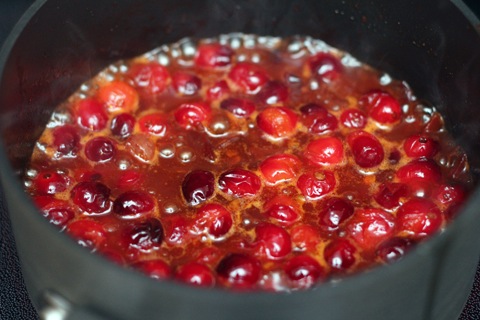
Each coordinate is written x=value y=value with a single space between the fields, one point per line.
x=14 y=301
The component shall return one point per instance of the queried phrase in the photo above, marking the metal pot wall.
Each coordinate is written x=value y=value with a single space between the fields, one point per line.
x=60 y=44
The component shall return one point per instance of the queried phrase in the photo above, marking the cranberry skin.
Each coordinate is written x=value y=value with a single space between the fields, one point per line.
x=449 y=194
x=133 y=203
x=198 y=186
x=57 y=212
x=272 y=241
x=218 y=90
x=277 y=122
x=317 y=119
x=88 y=233
x=122 y=125
x=141 y=147
x=394 y=249
x=353 y=118
x=325 y=67
x=49 y=182
x=248 y=76
x=382 y=107
x=241 y=108
x=325 y=151
x=129 y=179
x=215 y=219
x=418 y=146
x=334 y=212
x=315 y=185
x=304 y=237
x=280 y=168
x=118 y=95
x=151 y=77
x=156 y=269
x=91 y=114
x=211 y=55
x=390 y=193
x=239 y=271
x=304 y=271
x=91 y=197
x=154 y=124
x=419 y=218
x=66 y=140
x=366 y=149
x=424 y=170
x=196 y=274
x=239 y=182
x=283 y=214
x=340 y=255
x=273 y=92
x=99 y=149
x=190 y=114
x=186 y=84
x=144 y=236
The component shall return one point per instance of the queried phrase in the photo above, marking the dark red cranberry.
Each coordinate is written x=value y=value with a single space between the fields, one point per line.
x=241 y=108
x=239 y=182
x=304 y=237
x=325 y=151
x=133 y=203
x=334 y=212
x=156 y=268
x=422 y=169
x=186 y=84
x=145 y=236
x=340 y=254
x=418 y=218
x=122 y=125
x=394 y=249
x=382 y=107
x=91 y=114
x=88 y=233
x=153 y=123
x=366 y=149
x=390 y=193
x=215 y=219
x=317 y=119
x=282 y=213
x=57 y=212
x=198 y=186
x=315 y=185
x=92 y=197
x=273 y=92
x=212 y=55
x=272 y=241
x=325 y=67
x=150 y=77
x=353 y=118
x=394 y=157
x=99 y=149
x=218 y=90
x=280 y=168
x=277 y=122
x=196 y=274
x=249 y=76
x=189 y=114
x=239 y=271
x=66 y=140
x=418 y=146
x=304 y=271
x=49 y=182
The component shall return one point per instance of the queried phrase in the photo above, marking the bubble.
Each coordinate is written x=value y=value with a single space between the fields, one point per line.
x=170 y=208
x=185 y=155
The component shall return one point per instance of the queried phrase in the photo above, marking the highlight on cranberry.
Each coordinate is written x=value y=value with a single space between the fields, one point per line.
x=247 y=163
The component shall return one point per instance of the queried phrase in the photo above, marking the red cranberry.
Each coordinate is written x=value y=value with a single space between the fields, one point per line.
x=218 y=90
x=394 y=249
x=153 y=123
x=91 y=114
x=144 y=236
x=304 y=271
x=150 y=77
x=92 y=197
x=99 y=149
x=196 y=274
x=122 y=125
x=325 y=151
x=49 y=182
x=366 y=149
x=198 y=186
x=239 y=182
x=449 y=194
x=66 y=140
x=88 y=233
x=141 y=147
x=418 y=146
x=250 y=77
x=340 y=254
x=280 y=168
x=419 y=218
x=212 y=55
x=57 y=212
x=273 y=92
x=353 y=118
x=382 y=107
x=186 y=84
x=390 y=193
x=334 y=212
x=282 y=213
x=118 y=95
x=304 y=237
x=272 y=241
x=325 y=67
x=133 y=203
x=215 y=219
x=209 y=255
x=177 y=230
x=239 y=271
x=317 y=119
x=422 y=169
x=189 y=114
x=129 y=179
x=314 y=185
x=241 y=108
x=156 y=269
x=278 y=122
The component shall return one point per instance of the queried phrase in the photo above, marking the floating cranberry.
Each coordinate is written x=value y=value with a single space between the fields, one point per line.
x=122 y=125
x=382 y=107
x=214 y=219
x=141 y=147
x=88 y=233
x=49 y=182
x=334 y=212
x=340 y=254
x=129 y=179
x=57 y=212
x=304 y=271
x=394 y=249
x=189 y=114
x=250 y=77
x=198 y=186
x=353 y=118
x=218 y=90
x=213 y=55
x=315 y=185
x=417 y=146
x=273 y=92
x=241 y=108
x=177 y=230
x=153 y=123
x=144 y=236
x=92 y=197
x=304 y=237
x=317 y=119
x=449 y=194
x=422 y=169
x=66 y=140
x=91 y=114
x=196 y=274
x=150 y=77
x=390 y=193
x=325 y=67
x=133 y=203
x=282 y=213
x=118 y=95
x=366 y=149
x=278 y=122
x=280 y=168
x=419 y=218
x=156 y=268
x=186 y=84
x=239 y=182
x=99 y=149
x=272 y=241
x=239 y=271
x=325 y=151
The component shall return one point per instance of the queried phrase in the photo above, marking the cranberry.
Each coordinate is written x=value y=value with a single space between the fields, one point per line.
x=353 y=118
x=196 y=274
x=198 y=186
x=58 y=212
x=153 y=123
x=49 y=182
x=239 y=271
x=278 y=122
x=366 y=149
x=218 y=90
x=382 y=107
x=212 y=55
x=141 y=147
x=91 y=114
x=92 y=197
x=420 y=170
x=129 y=179
x=419 y=218
x=144 y=236
x=88 y=233
x=282 y=213
x=186 y=84
x=118 y=95
x=156 y=268
x=122 y=125
x=418 y=146
x=280 y=168
x=304 y=271
x=325 y=67
x=273 y=92
x=394 y=249
x=317 y=119
x=99 y=149
x=449 y=194
x=241 y=108
x=272 y=241
x=316 y=184
x=133 y=203
x=215 y=219
x=209 y=255
x=334 y=212
x=177 y=230
x=390 y=193
x=248 y=76
x=150 y=77
x=189 y=114
x=239 y=182
x=304 y=237
x=340 y=254
x=325 y=151
x=66 y=140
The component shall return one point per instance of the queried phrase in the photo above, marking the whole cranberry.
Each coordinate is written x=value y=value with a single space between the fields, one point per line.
x=390 y=193
x=382 y=107
x=394 y=249
x=248 y=76
x=315 y=185
x=144 y=236
x=211 y=55
x=272 y=241
x=239 y=182
x=273 y=92
x=198 y=186
x=155 y=268
x=353 y=118
x=340 y=254
x=66 y=140
x=280 y=168
x=150 y=77
x=303 y=271
x=446 y=194
x=118 y=95
x=366 y=149
x=153 y=123
x=129 y=179
x=218 y=90
x=214 y=219
x=57 y=212
x=177 y=230
x=133 y=203
x=418 y=218
x=277 y=122
x=92 y=197
x=100 y=149
x=283 y=214
x=88 y=233
x=418 y=145
x=122 y=125
x=325 y=67
x=422 y=169
x=241 y=108
x=317 y=119
x=186 y=84
x=141 y=147
x=325 y=151
x=91 y=114
x=304 y=237
x=189 y=114
x=239 y=271
x=334 y=212
x=196 y=274
x=49 y=182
